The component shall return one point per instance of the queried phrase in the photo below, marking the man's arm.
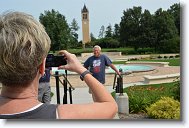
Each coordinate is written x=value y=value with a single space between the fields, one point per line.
x=115 y=69
x=86 y=64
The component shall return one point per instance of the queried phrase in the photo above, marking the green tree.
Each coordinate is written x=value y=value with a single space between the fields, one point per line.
x=74 y=36
x=106 y=42
x=116 y=32
x=130 y=27
x=175 y=12
x=166 y=32
x=57 y=29
x=108 y=32
x=147 y=38
x=101 y=32
x=92 y=37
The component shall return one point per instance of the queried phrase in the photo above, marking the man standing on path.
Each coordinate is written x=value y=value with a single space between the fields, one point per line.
x=97 y=63
x=44 y=89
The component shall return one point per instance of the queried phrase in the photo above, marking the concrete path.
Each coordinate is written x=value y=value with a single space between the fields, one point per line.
x=81 y=95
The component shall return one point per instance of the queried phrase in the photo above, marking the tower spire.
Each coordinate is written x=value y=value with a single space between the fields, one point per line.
x=85 y=25
x=84 y=9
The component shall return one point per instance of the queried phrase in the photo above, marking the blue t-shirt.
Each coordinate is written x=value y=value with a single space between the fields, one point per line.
x=97 y=66
x=47 y=75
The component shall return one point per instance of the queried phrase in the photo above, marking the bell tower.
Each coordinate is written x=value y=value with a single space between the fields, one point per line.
x=85 y=25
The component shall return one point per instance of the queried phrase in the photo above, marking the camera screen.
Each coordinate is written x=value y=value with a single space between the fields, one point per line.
x=55 y=61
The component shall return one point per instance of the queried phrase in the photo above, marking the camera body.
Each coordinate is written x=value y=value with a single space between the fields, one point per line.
x=55 y=61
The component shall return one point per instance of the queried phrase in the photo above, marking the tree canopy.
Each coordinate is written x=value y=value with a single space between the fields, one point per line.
x=62 y=36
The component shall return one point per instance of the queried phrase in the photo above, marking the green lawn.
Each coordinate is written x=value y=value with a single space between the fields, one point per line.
x=172 y=62
x=119 y=62
x=141 y=96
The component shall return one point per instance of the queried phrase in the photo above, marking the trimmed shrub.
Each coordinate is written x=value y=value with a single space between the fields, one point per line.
x=132 y=59
x=176 y=89
x=177 y=56
x=165 y=108
x=145 y=50
x=159 y=57
x=165 y=57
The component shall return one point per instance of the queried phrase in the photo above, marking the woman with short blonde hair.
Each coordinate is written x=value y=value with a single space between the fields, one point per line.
x=24 y=45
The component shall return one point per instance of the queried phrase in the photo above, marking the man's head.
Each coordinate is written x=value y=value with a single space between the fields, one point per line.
x=23 y=46
x=97 y=50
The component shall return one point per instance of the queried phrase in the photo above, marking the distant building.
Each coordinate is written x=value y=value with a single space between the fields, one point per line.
x=85 y=25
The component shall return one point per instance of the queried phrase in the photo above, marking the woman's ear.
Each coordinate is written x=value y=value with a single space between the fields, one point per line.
x=42 y=67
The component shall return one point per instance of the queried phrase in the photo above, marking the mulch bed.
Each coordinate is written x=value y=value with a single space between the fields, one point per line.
x=139 y=116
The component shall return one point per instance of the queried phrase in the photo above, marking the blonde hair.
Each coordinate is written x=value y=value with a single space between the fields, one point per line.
x=23 y=45
x=96 y=46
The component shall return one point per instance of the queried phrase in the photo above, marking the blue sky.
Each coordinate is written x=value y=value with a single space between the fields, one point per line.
x=101 y=12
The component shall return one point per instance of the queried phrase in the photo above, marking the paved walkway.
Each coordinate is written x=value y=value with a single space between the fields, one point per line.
x=81 y=95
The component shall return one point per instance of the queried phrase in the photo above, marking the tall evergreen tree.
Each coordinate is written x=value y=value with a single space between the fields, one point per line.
x=166 y=32
x=108 y=32
x=147 y=38
x=92 y=37
x=116 y=32
x=175 y=12
x=74 y=36
x=101 y=32
x=130 y=27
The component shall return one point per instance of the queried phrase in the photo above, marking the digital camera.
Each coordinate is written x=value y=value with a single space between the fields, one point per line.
x=55 y=61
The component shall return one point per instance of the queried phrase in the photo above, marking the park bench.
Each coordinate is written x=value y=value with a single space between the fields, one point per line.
x=148 y=79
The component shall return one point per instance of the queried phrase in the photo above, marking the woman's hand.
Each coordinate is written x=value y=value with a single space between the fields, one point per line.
x=73 y=63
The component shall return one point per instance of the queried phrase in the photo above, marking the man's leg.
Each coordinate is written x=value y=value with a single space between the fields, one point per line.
x=41 y=91
x=47 y=93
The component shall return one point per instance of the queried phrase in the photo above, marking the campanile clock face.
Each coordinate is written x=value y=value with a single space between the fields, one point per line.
x=85 y=22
